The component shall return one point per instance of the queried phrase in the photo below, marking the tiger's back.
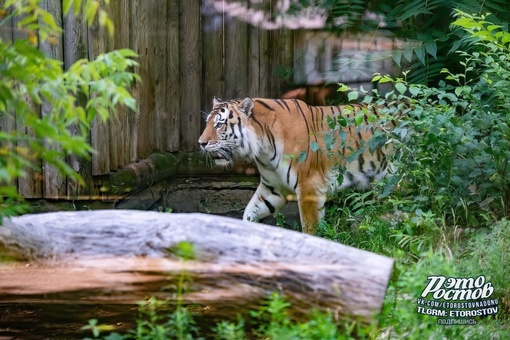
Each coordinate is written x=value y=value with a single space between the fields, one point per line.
x=278 y=135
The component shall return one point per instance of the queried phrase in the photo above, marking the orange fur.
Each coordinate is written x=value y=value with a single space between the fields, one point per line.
x=277 y=135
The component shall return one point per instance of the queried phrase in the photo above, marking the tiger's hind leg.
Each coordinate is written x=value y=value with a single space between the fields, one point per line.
x=265 y=202
x=311 y=200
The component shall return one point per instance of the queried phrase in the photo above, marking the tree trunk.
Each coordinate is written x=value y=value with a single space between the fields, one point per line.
x=121 y=257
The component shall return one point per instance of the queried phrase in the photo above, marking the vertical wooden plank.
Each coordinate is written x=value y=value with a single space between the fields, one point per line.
x=190 y=66
x=265 y=69
x=122 y=10
x=264 y=65
x=30 y=185
x=133 y=119
x=281 y=59
x=258 y=62
x=76 y=47
x=145 y=90
x=273 y=52
x=171 y=121
x=114 y=126
x=120 y=40
x=153 y=73
x=213 y=80
x=299 y=46
x=287 y=57
x=274 y=83
x=255 y=59
x=236 y=57
x=99 y=132
x=158 y=74
x=54 y=184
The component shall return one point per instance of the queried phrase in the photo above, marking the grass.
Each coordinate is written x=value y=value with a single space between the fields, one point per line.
x=423 y=245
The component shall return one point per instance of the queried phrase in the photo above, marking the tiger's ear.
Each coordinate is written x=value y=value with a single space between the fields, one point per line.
x=216 y=101
x=247 y=106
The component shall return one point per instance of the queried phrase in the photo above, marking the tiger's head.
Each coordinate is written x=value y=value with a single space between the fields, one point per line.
x=226 y=134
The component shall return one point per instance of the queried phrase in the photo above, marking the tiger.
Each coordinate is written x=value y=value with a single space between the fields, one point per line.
x=277 y=135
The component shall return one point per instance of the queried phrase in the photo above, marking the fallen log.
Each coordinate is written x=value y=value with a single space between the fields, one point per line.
x=121 y=257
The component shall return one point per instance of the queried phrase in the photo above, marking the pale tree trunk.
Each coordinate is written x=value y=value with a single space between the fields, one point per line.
x=120 y=256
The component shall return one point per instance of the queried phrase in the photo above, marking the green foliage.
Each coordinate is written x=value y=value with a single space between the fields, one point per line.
x=274 y=322
x=29 y=79
x=449 y=187
x=422 y=246
x=155 y=321
x=280 y=219
x=271 y=321
x=226 y=330
x=96 y=328
x=184 y=250
x=423 y=27
x=476 y=256
x=490 y=250
x=453 y=142
x=37 y=21
x=273 y=317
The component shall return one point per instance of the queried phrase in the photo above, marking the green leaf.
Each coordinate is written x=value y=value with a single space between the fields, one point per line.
x=343 y=88
x=397 y=56
x=314 y=146
x=354 y=155
x=385 y=79
x=358 y=120
x=342 y=135
x=401 y=88
x=302 y=157
x=414 y=90
x=367 y=99
x=465 y=23
x=352 y=96
x=331 y=122
x=505 y=38
x=420 y=53
x=408 y=53
x=373 y=143
x=431 y=48
x=491 y=28
x=184 y=250
x=340 y=178
x=342 y=121
x=505 y=129
x=329 y=140
x=66 y=5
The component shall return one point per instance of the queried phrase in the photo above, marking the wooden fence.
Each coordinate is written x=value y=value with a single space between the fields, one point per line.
x=188 y=53
x=325 y=57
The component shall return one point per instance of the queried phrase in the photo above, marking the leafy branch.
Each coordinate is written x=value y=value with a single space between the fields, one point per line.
x=29 y=79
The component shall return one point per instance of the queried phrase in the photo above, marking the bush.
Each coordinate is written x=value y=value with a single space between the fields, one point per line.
x=28 y=79
x=442 y=208
x=453 y=143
